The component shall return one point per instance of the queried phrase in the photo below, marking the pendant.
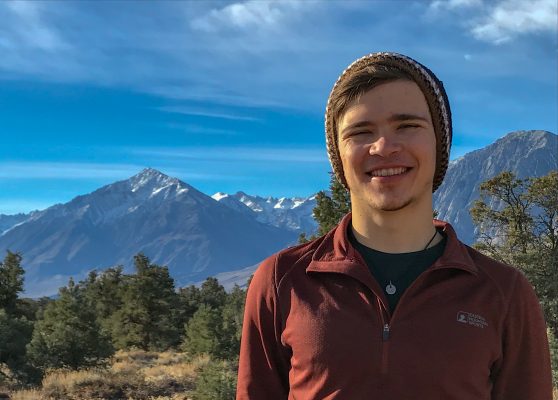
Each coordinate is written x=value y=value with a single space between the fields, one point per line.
x=391 y=289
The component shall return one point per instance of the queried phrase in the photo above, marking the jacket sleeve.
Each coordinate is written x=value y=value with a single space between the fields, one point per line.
x=523 y=372
x=264 y=361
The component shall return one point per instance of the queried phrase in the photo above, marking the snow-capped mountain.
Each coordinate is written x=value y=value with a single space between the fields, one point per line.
x=526 y=153
x=294 y=214
x=168 y=220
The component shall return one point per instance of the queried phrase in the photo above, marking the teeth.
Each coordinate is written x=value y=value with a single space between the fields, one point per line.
x=388 y=171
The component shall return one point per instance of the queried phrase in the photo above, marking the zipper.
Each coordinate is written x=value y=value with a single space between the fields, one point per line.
x=385 y=338
x=386 y=329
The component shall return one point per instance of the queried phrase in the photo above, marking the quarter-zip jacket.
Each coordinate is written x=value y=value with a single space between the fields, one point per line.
x=317 y=326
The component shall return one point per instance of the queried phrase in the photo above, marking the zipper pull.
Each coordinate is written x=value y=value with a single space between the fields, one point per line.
x=386 y=332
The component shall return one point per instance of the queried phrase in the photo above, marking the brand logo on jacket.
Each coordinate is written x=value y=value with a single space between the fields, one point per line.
x=471 y=319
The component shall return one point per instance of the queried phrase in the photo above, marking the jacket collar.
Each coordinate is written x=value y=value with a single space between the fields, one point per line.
x=336 y=254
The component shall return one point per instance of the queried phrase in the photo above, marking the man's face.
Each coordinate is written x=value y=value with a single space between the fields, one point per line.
x=388 y=147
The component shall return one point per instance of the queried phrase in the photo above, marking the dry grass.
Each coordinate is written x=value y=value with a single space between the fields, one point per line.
x=132 y=375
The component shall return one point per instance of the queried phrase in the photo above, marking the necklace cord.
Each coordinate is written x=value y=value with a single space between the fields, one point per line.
x=431 y=239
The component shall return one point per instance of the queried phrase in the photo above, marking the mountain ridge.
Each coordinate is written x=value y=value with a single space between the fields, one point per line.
x=224 y=235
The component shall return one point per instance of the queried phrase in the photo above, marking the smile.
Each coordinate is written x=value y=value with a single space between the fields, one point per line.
x=388 y=171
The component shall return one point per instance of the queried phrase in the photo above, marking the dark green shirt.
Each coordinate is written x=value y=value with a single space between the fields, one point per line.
x=400 y=269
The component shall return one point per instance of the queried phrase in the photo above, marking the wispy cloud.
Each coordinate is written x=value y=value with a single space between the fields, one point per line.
x=205 y=113
x=65 y=170
x=29 y=29
x=511 y=18
x=217 y=96
x=188 y=128
x=247 y=154
x=453 y=4
x=252 y=14
x=110 y=172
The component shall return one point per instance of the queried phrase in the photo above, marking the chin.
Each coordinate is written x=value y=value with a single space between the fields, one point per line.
x=390 y=206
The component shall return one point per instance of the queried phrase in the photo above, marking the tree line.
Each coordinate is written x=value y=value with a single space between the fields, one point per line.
x=109 y=311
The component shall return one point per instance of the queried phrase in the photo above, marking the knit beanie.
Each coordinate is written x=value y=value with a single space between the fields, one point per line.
x=433 y=91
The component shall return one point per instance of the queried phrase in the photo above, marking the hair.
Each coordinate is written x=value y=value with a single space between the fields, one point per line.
x=350 y=90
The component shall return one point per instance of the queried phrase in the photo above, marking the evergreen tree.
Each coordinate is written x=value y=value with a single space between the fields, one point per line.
x=103 y=293
x=213 y=294
x=204 y=332
x=329 y=210
x=189 y=299
x=11 y=281
x=68 y=335
x=15 y=326
x=517 y=222
x=233 y=313
x=15 y=334
x=148 y=317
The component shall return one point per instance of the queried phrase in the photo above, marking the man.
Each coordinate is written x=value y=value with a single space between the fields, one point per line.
x=390 y=304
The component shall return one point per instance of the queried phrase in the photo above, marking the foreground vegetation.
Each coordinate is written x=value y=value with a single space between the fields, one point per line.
x=140 y=375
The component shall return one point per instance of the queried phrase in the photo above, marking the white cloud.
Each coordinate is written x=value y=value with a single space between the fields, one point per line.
x=204 y=113
x=248 y=15
x=510 y=18
x=453 y=4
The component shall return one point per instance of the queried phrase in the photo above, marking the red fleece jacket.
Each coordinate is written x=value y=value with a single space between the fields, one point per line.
x=317 y=326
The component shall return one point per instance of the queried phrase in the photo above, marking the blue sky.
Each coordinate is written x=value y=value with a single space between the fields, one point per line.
x=230 y=96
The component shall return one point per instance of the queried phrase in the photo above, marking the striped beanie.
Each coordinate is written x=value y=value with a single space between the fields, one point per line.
x=433 y=91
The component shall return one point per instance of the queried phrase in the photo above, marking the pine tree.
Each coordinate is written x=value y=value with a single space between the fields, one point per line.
x=212 y=293
x=15 y=334
x=103 y=293
x=329 y=210
x=233 y=313
x=148 y=317
x=189 y=299
x=517 y=222
x=204 y=332
x=15 y=324
x=11 y=281
x=68 y=335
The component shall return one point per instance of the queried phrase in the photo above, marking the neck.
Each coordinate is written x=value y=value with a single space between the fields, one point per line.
x=402 y=231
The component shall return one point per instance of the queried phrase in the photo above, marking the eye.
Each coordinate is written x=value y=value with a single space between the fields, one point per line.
x=408 y=126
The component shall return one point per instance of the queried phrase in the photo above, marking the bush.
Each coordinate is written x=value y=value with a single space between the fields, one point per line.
x=216 y=381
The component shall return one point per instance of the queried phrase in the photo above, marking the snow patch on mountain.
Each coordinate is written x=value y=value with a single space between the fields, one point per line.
x=294 y=214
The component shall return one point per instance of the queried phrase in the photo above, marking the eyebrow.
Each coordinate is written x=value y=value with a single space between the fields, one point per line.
x=393 y=118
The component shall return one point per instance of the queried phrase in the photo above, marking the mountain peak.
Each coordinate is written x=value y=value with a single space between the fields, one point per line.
x=152 y=179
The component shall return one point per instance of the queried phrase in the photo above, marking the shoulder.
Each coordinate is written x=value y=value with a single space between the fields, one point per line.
x=510 y=281
x=276 y=267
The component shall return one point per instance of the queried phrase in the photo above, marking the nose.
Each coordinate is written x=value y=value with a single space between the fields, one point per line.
x=385 y=145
